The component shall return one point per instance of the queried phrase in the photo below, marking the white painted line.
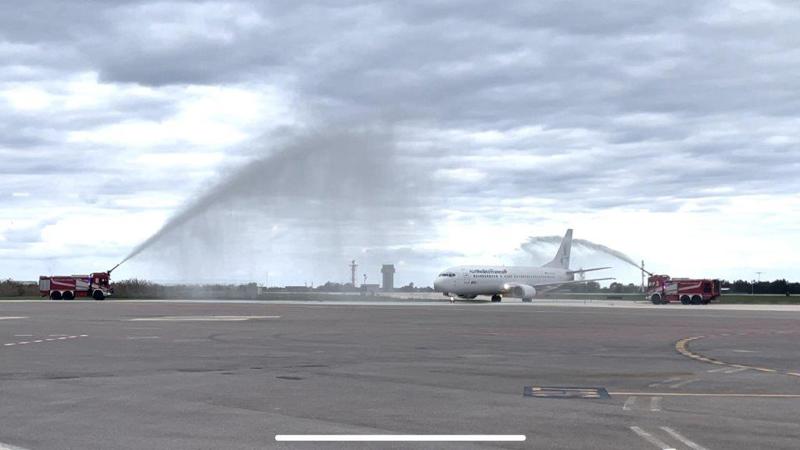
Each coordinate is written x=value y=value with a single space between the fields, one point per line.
x=12 y=317
x=719 y=369
x=629 y=403
x=651 y=439
x=684 y=383
x=23 y=342
x=56 y=335
x=655 y=404
x=668 y=380
x=201 y=318
x=62 y=338
x=681 y=438
x=84 y=335
x=10 y=344
x=72 y=337
x=50 y=339
x=38 y=340
x=135 y=338
x=400 y=437
x=740 y=369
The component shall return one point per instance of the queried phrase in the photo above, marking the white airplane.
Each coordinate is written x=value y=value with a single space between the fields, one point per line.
x=513 y=281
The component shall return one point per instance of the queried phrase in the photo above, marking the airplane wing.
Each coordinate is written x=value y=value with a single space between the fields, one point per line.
x=561 y=283
x=587 y=270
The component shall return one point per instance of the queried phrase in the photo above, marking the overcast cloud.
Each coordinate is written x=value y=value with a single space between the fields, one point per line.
x=666 y=130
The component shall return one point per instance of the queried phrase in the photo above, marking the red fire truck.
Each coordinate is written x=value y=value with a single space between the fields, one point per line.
x=661 y=289
x=69 y=287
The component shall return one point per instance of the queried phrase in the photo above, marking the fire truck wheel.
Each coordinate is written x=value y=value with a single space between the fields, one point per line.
x=685 y=299
x=55 y=295
x=98 y=295
x=696 y=299
x=706 y=301
x=68 y=295
x=656 y=299
x=496 y=298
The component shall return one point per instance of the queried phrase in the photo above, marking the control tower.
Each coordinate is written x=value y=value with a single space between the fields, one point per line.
x=388 y=277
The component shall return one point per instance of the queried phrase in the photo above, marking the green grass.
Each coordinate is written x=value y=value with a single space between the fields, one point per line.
x=765 y=299
x=768 y=299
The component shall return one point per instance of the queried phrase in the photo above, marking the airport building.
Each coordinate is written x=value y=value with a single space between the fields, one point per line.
x=388 y=277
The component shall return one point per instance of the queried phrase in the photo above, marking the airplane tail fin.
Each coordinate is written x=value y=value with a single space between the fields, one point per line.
x=561 y=260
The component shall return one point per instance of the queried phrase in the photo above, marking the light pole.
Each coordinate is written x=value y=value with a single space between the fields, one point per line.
x=759 y=281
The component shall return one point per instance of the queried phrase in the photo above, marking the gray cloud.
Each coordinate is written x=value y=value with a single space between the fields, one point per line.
x=621 y=104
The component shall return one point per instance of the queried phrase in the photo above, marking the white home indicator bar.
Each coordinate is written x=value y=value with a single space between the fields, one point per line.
x=400 y=437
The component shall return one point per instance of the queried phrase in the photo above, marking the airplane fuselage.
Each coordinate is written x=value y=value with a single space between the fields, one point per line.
x=468 y=281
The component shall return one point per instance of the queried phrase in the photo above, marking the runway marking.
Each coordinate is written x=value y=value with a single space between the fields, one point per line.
x=667 y=381
x=655 y=404
x=683 y=439
x=629 y=403
x=564 y=392
x=682 y=347
x=684 y=383
x=201 y=318
x=651 y=439
x=705 y=394
x=39 y=341
x=136 y=338
x=400 y=437
x=12 y=317
x=719 y=369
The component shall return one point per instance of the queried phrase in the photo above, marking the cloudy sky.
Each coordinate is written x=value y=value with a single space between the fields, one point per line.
x=287 y=138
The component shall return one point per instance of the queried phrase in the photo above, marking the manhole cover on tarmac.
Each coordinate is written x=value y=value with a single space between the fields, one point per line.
x=565 y=392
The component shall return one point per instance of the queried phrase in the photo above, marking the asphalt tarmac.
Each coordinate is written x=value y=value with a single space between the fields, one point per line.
x=228 y=375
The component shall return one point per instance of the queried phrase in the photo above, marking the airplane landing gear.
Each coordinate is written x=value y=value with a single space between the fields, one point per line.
x=452 y=299
x=527 y=300
x=496 y=298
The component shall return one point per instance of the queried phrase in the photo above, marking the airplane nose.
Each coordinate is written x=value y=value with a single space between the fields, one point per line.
x=437 y=285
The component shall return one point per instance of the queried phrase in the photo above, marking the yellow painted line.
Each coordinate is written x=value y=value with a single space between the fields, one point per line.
x=705 y=394
x=680 y=346
x=202 y=318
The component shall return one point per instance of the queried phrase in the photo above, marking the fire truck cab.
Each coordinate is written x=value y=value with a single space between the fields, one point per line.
x=661 y=289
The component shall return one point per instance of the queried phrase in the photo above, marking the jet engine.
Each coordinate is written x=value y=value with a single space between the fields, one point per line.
x=523 y=291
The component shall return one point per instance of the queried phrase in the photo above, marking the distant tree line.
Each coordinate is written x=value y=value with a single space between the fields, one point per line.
x=11 y=288
x=762 y=287
x=780 y=286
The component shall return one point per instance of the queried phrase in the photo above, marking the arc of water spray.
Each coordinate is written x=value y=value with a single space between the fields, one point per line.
x=535 y=240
